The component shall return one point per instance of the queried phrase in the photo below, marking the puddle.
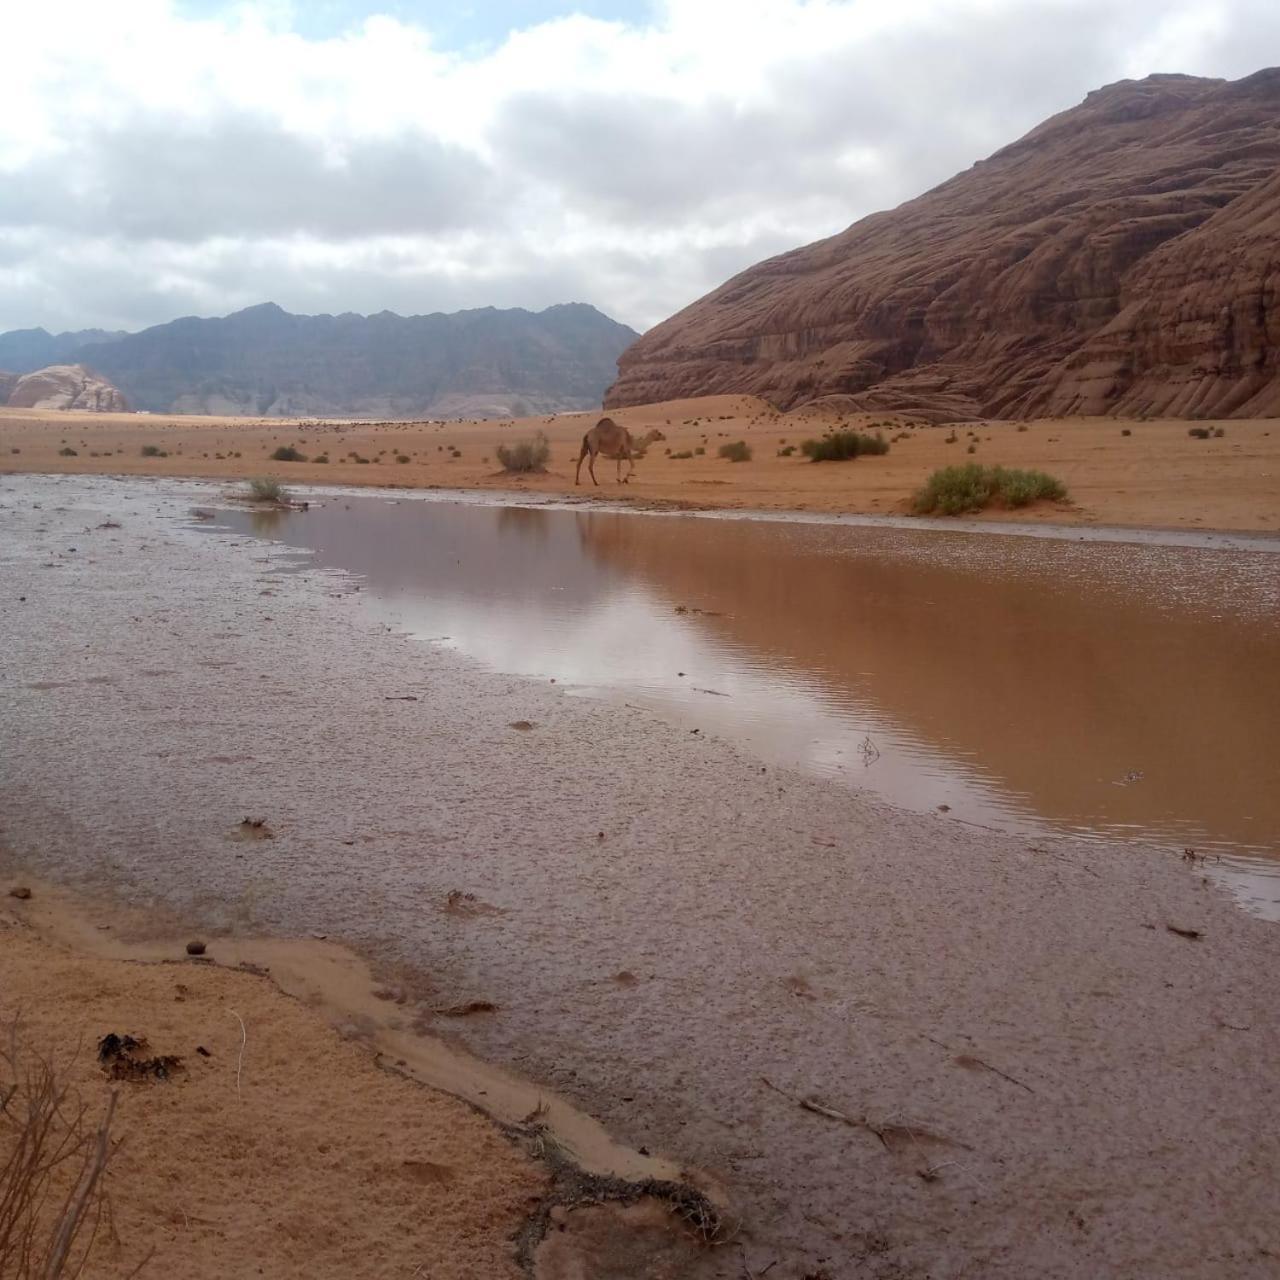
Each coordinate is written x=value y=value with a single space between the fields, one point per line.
x=1102 y=689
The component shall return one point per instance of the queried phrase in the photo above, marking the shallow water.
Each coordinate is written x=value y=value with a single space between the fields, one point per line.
x=1101 y=689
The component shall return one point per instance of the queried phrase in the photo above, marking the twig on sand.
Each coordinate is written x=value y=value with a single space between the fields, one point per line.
x=892 y=1134
x=244 y=1040
x=78 y=1205
x=807 y=1104
x=972 y=1060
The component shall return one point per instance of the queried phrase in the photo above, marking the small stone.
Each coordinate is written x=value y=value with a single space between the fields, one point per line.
x=20 y=892
x=195 y=948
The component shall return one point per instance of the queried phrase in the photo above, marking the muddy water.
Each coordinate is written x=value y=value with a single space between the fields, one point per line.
x=1100 y=689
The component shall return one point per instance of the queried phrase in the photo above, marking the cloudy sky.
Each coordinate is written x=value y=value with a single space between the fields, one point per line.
x=170 y=157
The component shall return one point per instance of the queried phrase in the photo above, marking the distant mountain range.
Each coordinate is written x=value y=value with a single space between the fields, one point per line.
x=265 y=362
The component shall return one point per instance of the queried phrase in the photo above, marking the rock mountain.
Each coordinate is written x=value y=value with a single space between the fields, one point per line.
x=1123 y=257
x=61 y=386
x=264 y=361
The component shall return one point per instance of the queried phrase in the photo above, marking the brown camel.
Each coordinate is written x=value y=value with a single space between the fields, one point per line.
x=613 y=441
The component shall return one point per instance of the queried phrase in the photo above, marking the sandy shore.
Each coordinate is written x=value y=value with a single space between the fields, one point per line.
x=1155 y=475
x=317 y=1162
x=291 y=1134
x=1021 y=1068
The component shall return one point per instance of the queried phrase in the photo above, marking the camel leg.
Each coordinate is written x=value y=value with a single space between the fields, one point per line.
x=577 y=474
x=591 y=466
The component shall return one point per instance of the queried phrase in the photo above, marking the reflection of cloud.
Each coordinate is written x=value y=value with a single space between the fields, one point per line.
x=628 y=647
x=157 y=163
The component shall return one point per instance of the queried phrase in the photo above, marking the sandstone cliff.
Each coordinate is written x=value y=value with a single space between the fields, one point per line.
x=1122 y=257
x=66 y=386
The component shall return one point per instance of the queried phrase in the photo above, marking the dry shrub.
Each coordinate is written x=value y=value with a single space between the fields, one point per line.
x=52 y=1159
x=525 y=455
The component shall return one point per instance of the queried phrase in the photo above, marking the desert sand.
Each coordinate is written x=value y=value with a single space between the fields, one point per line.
x=246 y=1165
x=1156 y=476
x=1048 y=1057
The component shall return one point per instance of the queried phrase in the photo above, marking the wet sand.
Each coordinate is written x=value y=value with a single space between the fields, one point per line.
x=1155 y=476
x=1042 y=1077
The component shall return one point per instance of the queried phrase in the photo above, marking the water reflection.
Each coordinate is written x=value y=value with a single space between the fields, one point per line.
x=1104 y=689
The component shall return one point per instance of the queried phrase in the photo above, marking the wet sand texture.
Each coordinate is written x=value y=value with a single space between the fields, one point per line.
x=1043 y=1079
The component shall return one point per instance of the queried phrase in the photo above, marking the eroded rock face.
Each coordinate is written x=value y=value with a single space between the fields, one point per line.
x=66 y=386
x=1123 y=257
x=7 y=381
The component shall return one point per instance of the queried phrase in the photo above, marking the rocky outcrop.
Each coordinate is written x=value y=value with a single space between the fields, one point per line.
x=265 y=361
x=66 y=386
x=1122 y=257
x=7 y=381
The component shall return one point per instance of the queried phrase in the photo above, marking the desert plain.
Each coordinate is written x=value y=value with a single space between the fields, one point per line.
x=1117 y=471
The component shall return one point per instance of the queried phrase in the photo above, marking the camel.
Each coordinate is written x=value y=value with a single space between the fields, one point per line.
x=613 y=441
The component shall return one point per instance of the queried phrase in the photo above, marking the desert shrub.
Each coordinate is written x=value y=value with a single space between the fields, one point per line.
x=402 y=457
x=787 y=451
x=1219 y=432
x=287 y=453
x=735 y=451
x=952 y=491
x=951 y=439
x=321 y=457
x=264 y=489
x=973 y=448
x=151 y=451
x=1022 y=426
x=15 y=450
x=680 y=457
x=699 y=451
x=1124 y=431
x=55 y=1158
x=525 y=455
x=67 y=452
x=842 y=446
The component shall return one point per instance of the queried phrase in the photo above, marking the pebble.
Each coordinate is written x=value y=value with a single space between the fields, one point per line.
x=21 y=892
x=195 y=948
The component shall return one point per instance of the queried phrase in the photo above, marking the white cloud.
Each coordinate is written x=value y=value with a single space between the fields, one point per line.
x=153 y=164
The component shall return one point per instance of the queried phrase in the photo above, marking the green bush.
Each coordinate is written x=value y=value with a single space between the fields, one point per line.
x=1200 y=433
x=679 y=457
x=735 y=451
x=525 y=455
x=264 y=489
x=67 y=452
x=787 y=451
x=952 y=491
x=152 y=451
x=287 y=453
x=842 y=446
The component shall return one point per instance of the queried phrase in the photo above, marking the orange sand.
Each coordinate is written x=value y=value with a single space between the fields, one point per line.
x=1158 y=476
